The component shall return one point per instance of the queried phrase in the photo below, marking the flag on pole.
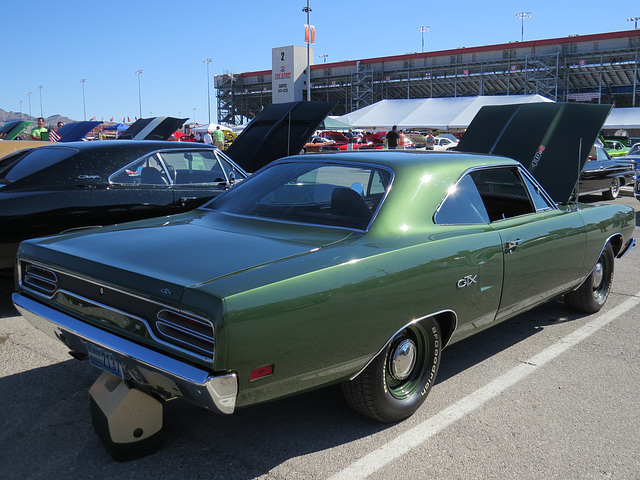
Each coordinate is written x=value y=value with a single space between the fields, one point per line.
x=53 y=136
x=309 y=34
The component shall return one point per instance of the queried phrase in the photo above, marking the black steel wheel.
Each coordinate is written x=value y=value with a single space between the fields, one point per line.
x=398 y=380
x=591 y=296
x=614 y=190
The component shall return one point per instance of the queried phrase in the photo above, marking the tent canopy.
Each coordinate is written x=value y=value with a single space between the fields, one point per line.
x=209 y=127
x=332 y=123
x=625 y=118
x=436 y=113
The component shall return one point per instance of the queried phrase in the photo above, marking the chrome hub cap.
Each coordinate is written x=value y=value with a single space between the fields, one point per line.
x=403 y=359
x=598 y=272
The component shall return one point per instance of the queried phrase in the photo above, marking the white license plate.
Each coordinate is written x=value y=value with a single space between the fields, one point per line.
x=104 y=360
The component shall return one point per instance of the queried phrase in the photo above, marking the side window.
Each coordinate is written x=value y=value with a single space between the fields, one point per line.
x=539 y=200
x=503 y=192
x=463 y=205
x=194 y=167
x=144 y=171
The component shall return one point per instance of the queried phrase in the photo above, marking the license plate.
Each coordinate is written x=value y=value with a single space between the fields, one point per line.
x=99 y=357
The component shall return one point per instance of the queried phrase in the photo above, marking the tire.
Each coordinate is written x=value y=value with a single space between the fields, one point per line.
x=614 y=190
x=591 y=296
x=390 y=390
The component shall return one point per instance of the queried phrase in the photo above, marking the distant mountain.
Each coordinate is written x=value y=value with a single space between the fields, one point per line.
x=48 y=121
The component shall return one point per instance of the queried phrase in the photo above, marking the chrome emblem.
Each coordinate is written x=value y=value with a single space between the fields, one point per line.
x=166 y=291
x=468 y=280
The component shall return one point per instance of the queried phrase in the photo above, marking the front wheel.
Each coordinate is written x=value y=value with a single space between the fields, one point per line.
x=398 y=380
x=591 y=296
x=614 y=190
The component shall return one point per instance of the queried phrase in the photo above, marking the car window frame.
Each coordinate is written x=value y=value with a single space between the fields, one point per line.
x=527 y=180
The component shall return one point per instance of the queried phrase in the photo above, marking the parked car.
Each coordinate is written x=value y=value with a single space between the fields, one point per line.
x=58 y=187
x=444 y=144
x=355 y=268
x=615 y=148
x=604 y=174
x=317 y=144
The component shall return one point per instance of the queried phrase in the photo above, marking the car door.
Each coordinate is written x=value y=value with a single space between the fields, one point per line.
x=543 y=245
x=198 y=175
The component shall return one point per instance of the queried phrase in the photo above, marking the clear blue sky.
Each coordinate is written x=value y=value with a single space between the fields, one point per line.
x=56 y=44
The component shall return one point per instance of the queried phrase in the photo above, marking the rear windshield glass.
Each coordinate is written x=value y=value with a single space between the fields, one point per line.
x=313 y=193
x=15 y=167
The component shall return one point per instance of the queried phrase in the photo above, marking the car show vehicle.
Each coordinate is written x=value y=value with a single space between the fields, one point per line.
x=443 y=144
x=615 y=148
x=57 y=187
x=604 y=174
x=317 y=144
x=355 y=268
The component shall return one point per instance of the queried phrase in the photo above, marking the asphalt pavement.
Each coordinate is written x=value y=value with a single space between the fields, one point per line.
x=547 y=394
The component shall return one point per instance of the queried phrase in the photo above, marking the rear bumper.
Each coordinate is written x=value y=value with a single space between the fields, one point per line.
x=151 y=370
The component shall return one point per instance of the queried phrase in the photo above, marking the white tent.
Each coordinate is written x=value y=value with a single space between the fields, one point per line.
x=623 y=118
x=209 y=127
x=436 y=113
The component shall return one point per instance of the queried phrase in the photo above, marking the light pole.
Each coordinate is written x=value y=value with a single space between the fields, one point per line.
x=84 y=105
x=194 y=115
x=29 y=95
x=422 y=30
x=634 y=19
x=323 y=56
x=522 y=16
x=138 y=72
x=208 y=61
x=20 y=102
x=308 y=10
x=40 y=88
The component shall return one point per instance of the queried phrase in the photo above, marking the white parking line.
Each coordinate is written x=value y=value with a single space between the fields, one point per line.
x=401 y=445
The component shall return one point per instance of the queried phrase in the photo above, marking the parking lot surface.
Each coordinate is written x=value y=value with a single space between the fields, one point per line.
x=549 y=393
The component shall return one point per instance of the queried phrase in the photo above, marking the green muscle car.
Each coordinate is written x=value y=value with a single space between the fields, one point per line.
x=354 y=267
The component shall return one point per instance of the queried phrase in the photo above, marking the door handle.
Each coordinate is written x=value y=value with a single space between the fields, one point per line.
x=509 y=247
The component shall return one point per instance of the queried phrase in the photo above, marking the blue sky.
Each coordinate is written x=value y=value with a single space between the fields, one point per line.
x=58 y=44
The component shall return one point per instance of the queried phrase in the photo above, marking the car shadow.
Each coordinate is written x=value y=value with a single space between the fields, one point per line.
x=45 y=415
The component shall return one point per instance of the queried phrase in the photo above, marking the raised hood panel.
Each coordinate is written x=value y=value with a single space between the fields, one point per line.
x=154 y=128
x=279 y=130
x=552 y=140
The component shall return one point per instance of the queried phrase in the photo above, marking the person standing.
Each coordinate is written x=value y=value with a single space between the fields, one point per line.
x=350 y=140
x=218 y=138
x=401 y=140
x=431 y=141
x=392 y=138
x=207 y=138
x=38 y=131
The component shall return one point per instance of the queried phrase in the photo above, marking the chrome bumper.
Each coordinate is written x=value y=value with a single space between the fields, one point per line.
x=151 y=370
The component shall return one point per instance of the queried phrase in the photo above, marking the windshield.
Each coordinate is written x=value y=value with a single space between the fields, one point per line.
x=340 y=195
x=21 y=164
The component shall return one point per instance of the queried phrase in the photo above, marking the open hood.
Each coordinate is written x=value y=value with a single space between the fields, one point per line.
x=76 y=131
x=552 y=140
x=10 y=130
x=280 y=129
x=154 y=128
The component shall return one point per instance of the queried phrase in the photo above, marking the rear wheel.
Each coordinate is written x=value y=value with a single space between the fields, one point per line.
x=614 y=190
x=591 y=296
x=398 y=380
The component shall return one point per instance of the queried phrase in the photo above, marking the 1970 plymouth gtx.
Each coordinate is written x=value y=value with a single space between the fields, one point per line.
x=355 y=267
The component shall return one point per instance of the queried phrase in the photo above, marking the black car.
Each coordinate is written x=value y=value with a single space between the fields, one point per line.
x=605 y=174
x=55 y=188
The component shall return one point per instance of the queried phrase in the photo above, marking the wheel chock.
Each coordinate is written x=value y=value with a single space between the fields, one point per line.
x=127 y=420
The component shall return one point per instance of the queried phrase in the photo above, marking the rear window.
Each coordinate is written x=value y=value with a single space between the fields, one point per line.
x=22 y=164
x=339 y=195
